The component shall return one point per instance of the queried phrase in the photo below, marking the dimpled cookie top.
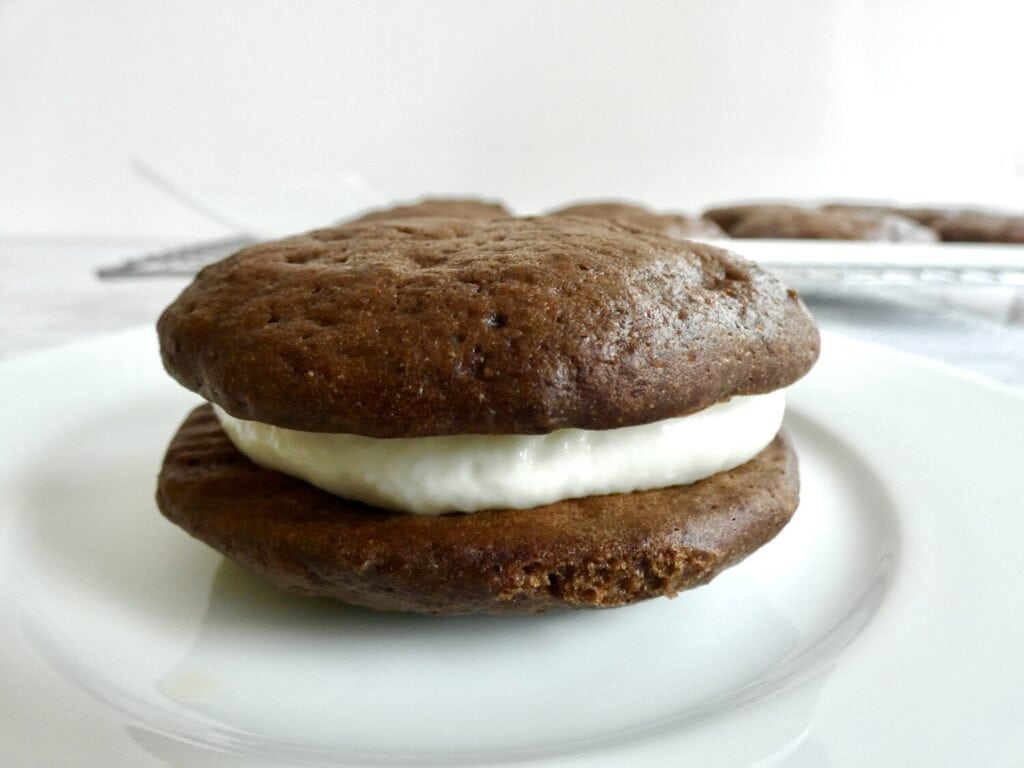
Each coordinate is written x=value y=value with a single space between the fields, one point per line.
x=418 y=327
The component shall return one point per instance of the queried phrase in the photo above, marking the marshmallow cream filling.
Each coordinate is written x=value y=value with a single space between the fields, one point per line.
x=468 y=473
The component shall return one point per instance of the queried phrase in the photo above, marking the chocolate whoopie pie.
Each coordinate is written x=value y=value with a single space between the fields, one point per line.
x=675 y=225
x=434 y=327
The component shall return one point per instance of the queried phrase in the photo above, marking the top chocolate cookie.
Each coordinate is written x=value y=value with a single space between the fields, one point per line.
x=437 y=326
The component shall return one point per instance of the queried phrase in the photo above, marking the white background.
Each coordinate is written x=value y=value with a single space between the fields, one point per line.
x=280 y=115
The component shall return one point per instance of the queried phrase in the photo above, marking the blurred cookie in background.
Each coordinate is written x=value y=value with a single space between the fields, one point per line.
x=799 y=222
x=457 y=208
x=953 y=224
x=674 y=225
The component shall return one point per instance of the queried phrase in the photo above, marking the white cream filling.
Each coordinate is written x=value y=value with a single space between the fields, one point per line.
x=468 y=473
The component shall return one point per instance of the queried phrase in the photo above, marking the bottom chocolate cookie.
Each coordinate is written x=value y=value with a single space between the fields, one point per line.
x=599 y=551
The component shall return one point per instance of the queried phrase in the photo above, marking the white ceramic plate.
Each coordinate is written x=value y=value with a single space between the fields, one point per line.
x=884 y=626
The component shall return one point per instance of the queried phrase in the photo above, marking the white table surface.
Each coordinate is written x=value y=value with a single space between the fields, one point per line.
x=50 y=295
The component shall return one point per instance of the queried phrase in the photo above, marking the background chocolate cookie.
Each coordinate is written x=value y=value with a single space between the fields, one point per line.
x=959 y=224
x=599 y=551
x=675 y=225
x=459 y=208
x=728 y=216
x=979 y=227
x=966 y=225
x=805 y=223
x=438 y=326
